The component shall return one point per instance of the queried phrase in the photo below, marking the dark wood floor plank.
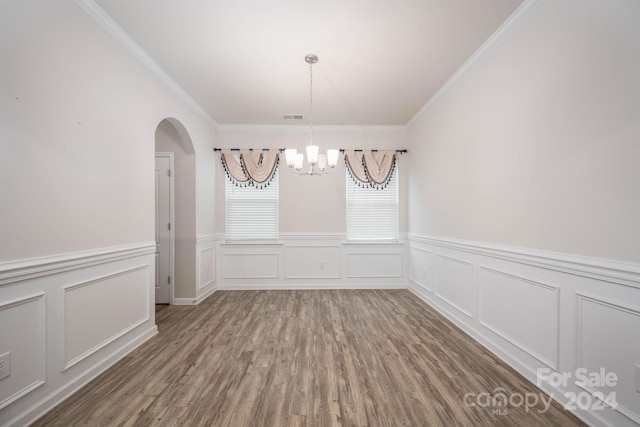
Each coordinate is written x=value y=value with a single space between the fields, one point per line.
x=302 y=358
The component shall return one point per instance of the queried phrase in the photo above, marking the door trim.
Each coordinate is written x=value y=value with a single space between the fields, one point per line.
x=172 y=220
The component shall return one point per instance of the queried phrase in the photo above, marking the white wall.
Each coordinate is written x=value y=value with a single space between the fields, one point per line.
x=78 y=115
x=537 y=144
x=524 y=201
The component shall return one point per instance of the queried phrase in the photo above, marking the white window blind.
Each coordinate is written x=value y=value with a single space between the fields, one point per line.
x=372 y=214
x=252 y=213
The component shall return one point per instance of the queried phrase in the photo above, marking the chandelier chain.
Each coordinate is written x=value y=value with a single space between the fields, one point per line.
x=311 y=102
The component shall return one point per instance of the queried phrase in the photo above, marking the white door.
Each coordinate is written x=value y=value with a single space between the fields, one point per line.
x=163 y=230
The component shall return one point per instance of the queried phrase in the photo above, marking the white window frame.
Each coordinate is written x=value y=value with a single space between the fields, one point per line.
x=244 y=217
x=363 y=203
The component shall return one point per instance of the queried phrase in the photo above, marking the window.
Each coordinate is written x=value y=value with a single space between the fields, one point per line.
x=252 y=213
x=372 y=214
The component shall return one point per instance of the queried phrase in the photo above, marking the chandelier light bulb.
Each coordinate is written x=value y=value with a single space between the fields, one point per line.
x=298 y=161
x=312 y=154
x=322 y=162
x=332 y=157
x=290 y=154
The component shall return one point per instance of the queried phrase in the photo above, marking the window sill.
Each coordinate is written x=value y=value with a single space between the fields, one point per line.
x=389 y=242
x=261 y=243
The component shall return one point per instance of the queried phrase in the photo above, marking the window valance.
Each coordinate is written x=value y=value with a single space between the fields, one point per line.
x=373 y=169
x=253 y=167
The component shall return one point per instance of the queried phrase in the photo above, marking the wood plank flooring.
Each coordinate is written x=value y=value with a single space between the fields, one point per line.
x=303 y=358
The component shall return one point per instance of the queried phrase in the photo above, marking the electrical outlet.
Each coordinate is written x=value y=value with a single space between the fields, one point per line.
x=638 y=378
x=5 y=365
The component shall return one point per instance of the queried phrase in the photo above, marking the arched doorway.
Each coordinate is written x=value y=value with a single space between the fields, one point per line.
x=175 y=212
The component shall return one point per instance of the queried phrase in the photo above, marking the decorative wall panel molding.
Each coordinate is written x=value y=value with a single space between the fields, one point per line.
x=98 y=311
x=539 y=310
x=421 y=267
x=511 y=306
x=27 y=344
x=454 y=282
x=311 y=261
x=250 y=266
x=207 y=267
x=616 y=328
x=367 y=265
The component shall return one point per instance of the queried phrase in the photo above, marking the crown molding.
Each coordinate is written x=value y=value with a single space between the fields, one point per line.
x=109 y=25
x=316 y=128
x=516 y=17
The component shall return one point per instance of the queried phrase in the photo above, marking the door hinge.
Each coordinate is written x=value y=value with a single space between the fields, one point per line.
x=169 y=226
x=168 y=172
x=169 y=279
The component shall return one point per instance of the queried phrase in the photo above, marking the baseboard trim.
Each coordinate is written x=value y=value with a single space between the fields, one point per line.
x=206 y=294
x=184 y=301
x=309 y=286
x=60 y=395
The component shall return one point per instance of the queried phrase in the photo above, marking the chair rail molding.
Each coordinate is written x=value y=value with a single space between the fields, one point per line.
x=31 y=268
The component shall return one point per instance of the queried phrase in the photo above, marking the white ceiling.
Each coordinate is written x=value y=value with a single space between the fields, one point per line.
x=243 y=61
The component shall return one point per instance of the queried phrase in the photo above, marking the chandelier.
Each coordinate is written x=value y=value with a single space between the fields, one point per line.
x=318 y=163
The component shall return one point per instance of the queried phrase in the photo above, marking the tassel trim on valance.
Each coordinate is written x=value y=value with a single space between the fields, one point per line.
x=254 y=169
x=373 y=170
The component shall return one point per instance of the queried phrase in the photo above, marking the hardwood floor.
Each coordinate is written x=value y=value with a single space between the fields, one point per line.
x=304 y=358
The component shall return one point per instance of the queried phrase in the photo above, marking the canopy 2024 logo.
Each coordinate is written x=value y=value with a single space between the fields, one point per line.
x=593 y=400
x=500 y=401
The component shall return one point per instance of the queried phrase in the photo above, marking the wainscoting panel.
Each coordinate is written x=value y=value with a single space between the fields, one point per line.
x=312 y=262
x=511 y=305
x=421 y=265
x=614 y=326
x=454 y=282
x=374 y=265
x=207 y=267
x=250 y=266
x=542 y=312
x=67 y=318
x=98 y=311
x=23 y=334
